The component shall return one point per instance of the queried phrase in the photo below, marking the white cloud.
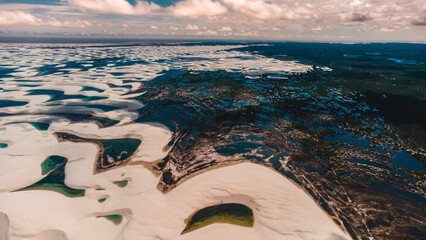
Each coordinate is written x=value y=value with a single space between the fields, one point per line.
x=265 y=18
x=225 y=29
x=266 y=10
x=327 y=14
x=197 y=8
x=20 y=18
x=207 y=32
x=115 y=6
x=316 y=29
x=69 y=23
x=192 y=27
x=387 y=30
x=13 y=18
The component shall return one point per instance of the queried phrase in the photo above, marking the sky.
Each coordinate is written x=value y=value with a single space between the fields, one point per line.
x=281 y=20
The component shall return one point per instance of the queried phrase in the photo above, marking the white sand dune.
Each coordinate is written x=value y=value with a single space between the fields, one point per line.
x=154 y=136
x=281 y=209
x=28 y=148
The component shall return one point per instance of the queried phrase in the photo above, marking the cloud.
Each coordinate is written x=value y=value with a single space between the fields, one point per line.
x=316 y=29
x=192 y=27
x=359 y=17
x=197 y=8
x=207 y=32
x=327 y=14
x=289 y=19
x=14 y=18
x=353 y=18
x=392 y=14
x=419 y=21
x=265 y=10
x=225 y=29
x=115 y=6
x=68 y=23
x=20 y=18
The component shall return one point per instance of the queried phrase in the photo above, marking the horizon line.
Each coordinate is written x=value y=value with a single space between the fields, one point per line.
x=113 y=39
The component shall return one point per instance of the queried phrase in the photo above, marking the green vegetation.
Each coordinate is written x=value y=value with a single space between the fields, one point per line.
x=3 y=145
x=232 y=213
x=101 y=200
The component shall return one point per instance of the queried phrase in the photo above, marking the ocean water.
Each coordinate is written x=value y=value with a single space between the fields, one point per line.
x=344 y=121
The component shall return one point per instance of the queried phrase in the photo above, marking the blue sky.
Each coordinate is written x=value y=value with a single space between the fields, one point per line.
x=294 y=20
